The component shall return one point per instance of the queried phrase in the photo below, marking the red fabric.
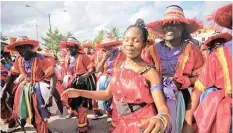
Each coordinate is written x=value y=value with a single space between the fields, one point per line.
x=184 y=81
x=194 y=62
x=40 y=125
x=84 y=64
x=82 y=119
x=134 y=87
x=225 y=36
x=223 y=16
x=4 y=75
x=146 y=55
x=17 y=97
x=59 y=88
x=43 y=68
x=213 y=115
x=129 y=123
x=22 y=41
x=211 y=73
x=156 y=27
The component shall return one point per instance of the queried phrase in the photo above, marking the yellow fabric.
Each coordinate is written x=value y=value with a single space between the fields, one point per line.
x=29 y=105
x=200 y=86
x=13 y=69
x=82 y=125
x=225 y=71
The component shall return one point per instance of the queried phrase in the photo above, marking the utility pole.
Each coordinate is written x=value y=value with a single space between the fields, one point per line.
x=49 y=23
x=36 y=32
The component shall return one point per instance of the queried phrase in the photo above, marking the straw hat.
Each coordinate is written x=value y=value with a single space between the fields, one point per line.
x=174 y=14
x=108 y=40
x=71 y=41
x=226 y=36
x=223 y=16
x=23 y=40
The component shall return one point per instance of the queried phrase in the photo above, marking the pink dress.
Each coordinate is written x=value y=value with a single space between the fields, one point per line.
x=130 y=87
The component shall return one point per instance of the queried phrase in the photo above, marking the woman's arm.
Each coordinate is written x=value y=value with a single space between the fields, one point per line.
x=97 y=95
x=154 y=124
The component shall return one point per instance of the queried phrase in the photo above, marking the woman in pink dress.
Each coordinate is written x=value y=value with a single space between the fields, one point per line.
x=135 y=87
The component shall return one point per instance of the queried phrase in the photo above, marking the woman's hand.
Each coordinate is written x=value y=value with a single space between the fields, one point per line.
x=70 y=93
x=152 y=125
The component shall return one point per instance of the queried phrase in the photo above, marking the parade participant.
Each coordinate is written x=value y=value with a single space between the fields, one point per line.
x=88 y=46
x=7 y=115
x=36 y=94
x=79 y=70
x=135 y=86
x=145 y=52
x=211 y=103
x=108 y=58
x=177 y=59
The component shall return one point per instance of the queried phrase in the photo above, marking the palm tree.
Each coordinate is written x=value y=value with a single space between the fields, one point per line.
x=53 y=38
x=115 y=32
x=99 y=36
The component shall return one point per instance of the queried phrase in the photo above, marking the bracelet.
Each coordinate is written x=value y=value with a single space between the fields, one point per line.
x=162 y=117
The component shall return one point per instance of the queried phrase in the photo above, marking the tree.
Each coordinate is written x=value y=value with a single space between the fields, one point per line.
x=115 y=32
x=99 y=36
x=53 y=39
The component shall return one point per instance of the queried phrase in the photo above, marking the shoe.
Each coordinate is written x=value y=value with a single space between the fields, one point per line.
x=71 y=115
x=109 y=120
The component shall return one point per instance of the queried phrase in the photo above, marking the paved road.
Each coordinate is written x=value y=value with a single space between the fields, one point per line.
x=58 y=124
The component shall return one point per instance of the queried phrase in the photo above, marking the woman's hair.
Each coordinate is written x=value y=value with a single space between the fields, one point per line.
x=140 y=24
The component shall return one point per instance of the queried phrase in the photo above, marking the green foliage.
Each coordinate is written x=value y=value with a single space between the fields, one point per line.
x=100 y=35
x=53 y=39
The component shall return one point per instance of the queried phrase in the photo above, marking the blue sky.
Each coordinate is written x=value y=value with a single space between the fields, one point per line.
x=85 y=19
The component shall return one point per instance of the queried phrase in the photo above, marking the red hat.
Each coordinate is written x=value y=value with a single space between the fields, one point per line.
x=150 y=41
x=46 y=53
x=22 y=41
x=108 y=40
x=226 y=36
x=71 y=41
x=174 y=14
x=223 y=16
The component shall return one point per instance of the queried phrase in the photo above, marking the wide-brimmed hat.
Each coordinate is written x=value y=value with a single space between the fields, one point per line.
x=223 y=16
x=174 y=15
x=87 y=44
x=107 y=41
x=22 y=41
x=226 y=36
x=71 y=41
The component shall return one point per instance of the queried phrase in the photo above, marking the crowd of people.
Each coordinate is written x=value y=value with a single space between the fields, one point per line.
x=142 y=85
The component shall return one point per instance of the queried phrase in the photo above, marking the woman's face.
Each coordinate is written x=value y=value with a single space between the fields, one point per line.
x=133 y=43
x=172 y=31
x=24 y=50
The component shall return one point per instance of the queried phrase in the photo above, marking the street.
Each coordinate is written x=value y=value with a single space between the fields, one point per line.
x=58 y=124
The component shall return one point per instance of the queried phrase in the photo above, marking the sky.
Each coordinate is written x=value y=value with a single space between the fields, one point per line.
x=85 y=18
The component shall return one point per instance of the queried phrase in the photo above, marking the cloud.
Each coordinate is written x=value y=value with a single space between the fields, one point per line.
x=84 y=19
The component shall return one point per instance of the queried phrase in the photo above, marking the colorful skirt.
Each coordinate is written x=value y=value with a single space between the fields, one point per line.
x=89 y=84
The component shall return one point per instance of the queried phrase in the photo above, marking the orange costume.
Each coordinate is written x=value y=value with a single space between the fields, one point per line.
x=213 y=114
x=74 y=67
x=37 y=73
x=178 y=64
x=109 y=68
